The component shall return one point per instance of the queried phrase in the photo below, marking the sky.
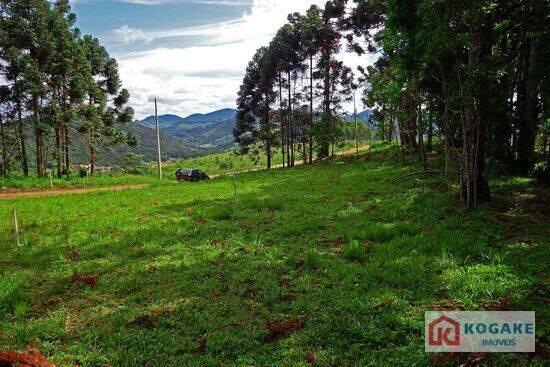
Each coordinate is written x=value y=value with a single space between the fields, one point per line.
x=189 y=54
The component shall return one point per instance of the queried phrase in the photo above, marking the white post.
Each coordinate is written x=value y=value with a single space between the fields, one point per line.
x=159 y=162
x=355 y=118
x=16 y=228
x=233 y=175
x=51 y=180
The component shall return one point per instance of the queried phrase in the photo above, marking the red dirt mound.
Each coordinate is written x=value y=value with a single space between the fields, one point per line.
x=281 y=330
x=32 y=358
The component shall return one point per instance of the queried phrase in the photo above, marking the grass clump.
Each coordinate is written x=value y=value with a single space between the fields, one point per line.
x=355 y=251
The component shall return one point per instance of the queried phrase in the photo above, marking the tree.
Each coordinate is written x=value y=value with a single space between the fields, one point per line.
x=254 y=118
x=49 y=70
x=99 y=119
x=308 y=26
x=329 y=39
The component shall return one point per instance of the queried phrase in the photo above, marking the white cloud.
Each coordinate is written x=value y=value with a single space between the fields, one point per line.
x=127 y=35
x=206 y=77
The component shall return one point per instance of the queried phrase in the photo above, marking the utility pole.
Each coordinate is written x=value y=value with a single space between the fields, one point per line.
x=159 y=161
x=355 y=118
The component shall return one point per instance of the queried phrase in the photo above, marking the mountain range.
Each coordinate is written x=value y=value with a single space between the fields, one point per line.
x=182 y=137
x=206 y=132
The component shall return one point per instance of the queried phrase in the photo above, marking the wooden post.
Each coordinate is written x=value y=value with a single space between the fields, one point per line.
x=16 y=227
x=159 y=162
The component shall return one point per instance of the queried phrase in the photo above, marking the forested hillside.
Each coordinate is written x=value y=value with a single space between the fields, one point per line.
x=210 y=132
x=144 y=151
x=473 y=75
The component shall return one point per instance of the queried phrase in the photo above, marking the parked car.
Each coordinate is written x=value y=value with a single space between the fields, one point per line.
x=193 y=175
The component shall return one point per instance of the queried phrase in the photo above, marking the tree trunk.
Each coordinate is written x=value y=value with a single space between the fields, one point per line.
x=474 y=186
x=292 y=131
x=324 y=151
x=420 y=125
x=446 y=111
x=66 y=146
x=268 y=133
x=37 y=136
x=3 y=167
x=23 y=138
x=92 y=159
x=281 y=120
x=410 y=127
x=529 y=110
x=290 y=155
x=310 y=109
x=390 y=128
x=429 y=145
x=501 y=123
x=400 y=143
x=58 y=152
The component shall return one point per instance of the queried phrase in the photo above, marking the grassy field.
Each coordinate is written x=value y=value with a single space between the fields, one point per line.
x=327 y=265
x=213 y=164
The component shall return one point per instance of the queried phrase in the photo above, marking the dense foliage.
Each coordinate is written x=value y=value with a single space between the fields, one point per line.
x=296 y=68
x=56 y=85
x=473 y=74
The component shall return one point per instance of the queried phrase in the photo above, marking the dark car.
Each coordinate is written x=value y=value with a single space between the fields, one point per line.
x=192 y=175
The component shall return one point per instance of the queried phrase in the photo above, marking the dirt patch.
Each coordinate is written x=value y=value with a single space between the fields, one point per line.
x=310 y=357
x=447 y=305
x=73 y=255
x=89 y=280
x=282 y=330
x=31 y=358
x=502 y=304
x=144 y=321
x=201 y=346
x=66 y=191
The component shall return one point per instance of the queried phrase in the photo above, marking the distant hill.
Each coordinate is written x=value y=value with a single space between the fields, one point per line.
x=145 y=151
x=164 y=121
x=364 y=116
x=210 y=132
x=220 y=115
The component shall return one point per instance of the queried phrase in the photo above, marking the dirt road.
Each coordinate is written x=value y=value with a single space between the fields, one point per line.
x=67 y=191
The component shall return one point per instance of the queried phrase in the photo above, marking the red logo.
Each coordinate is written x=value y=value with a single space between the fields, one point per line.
x=444 y=330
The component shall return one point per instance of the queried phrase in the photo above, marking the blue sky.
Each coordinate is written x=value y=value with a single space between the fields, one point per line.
x=190 y=54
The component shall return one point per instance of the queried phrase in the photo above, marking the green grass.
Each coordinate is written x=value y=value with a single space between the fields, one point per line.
x=229 y=161
x=212 y=164
x=335 y=245
x=20 y=182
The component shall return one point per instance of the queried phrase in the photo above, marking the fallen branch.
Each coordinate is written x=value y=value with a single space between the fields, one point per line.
x=432 y=171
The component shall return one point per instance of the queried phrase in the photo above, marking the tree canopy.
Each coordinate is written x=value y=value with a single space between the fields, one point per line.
x=472 y=75
x=56 y=85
